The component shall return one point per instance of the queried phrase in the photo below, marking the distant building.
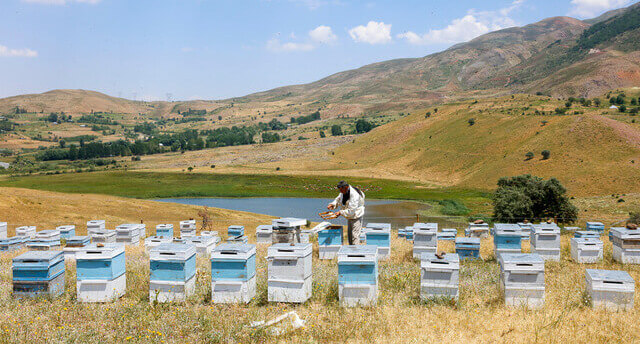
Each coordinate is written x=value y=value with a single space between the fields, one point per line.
x=613 y=107
x=4 y=165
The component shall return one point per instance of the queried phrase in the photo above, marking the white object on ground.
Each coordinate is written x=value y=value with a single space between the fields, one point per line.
x=296 y=322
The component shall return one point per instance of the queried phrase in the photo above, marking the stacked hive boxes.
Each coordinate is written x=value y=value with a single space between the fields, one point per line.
x=74 y=245
x=164 y=230
x=609 y=289
x=586 y=234
x=129 y=233
x=173 y=272
x=103 y=236
x=506 y=238
x=595 y=226
x=477 y=230
x=440 y=276
x=3 y=230
x=329 y=241
x=525 y=229
x=37 y=273
x=379 y=234
x=204 y=244
x=26 y=231
x=406 y=233
x=287 y=230
x=45 y=240
x=13 y=243
x=289 y=272
x=236 y=234
x=95 y=225
x=586 y=250
x=233 y=273
x=101 y=273
x=154 y=241
x=447 y=234
x=425 y=238
x=625 y=245
x=358 y=275
x=187 y=228
x=238 y=240
x=66 y=232
x=522 y=279
x=468 y=248
x=263 y=234
x=545 y=240
x=211 y=234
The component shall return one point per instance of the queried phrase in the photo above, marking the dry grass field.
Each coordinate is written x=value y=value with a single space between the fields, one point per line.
x=480 y=315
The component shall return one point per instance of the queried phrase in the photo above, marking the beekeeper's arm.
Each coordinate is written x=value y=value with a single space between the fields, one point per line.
x=334 y=204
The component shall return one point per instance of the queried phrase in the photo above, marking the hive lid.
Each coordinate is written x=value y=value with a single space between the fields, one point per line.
x=506 y=227
x=596 y=233
x=264 y=228
x=289 y=222
x=164 y=226
x=470 y=241
x=65 y=228
x=609 y=275
x=299 y=249
x=358 y=249
x=128 y=226
x=232 y=247
x=39 y=256
x=95 y=222
x=47 y=233
x=521 y=258
x=600 y=224
x=103 y=232
x=107 y=249
x=26 y=228
x=546 y=228
x=375 y=225
x=179 y=250
x=582 y=240
x=200 y=239
x=449 y=230
x=450 y=258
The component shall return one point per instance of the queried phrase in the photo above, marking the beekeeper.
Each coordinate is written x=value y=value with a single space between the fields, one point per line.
x=351 y=204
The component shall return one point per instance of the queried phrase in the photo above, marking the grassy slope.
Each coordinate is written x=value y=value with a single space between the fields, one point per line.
x=589 y=156
x=479 y=317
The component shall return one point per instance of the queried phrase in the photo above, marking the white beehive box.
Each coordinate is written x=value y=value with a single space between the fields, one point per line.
x=101 y=273
x=211 y=234
x=154 y=241
x=477 y=230
x=263 y=234
x=425 y=238
x=610 y=289
x=233 y=269
x=625 y=245
x=288 y=222
x=522 y=279
x=95 y=225
x=103 y=236
x=3 y=230
x=129 y=233
x=439 y=276
x=545 y=241
x=289 y=272
x=204 y=244
x=173 y=272
x=586 y=250
x=187 y=228
x=358 y=275
x=26 y=231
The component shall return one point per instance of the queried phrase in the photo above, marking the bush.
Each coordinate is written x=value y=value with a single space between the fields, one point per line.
x=336 y=130
x=270 y=137
x=322 y=134
x=529 y=155
x=363 y=126
x=453 y=207
x=471 y=121
x=545 y=154
x=528 y=197
x=622 y=108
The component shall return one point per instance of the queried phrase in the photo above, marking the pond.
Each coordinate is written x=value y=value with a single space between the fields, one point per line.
x=398 y=213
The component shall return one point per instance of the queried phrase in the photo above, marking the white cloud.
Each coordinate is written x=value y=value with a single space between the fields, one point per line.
x=7 y=52
x=373 y=33
x=472 y=25
x=592 y=8
x=274 y=44
x=61 y=2
x=323 y=34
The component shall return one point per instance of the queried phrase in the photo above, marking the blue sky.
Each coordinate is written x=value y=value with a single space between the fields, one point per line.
x=214 y=49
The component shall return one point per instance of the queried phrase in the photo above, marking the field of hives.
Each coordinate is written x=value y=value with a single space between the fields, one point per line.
x=479 y=316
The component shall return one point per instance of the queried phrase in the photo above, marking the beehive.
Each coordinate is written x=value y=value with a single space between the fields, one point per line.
x=66 y=231
x=233 y=273
x=586 y=234
x=211 y=234
x=522 y=279
x=172 y=272
x=129 y=233
x=440 y=276
x=625 y=245
x=468 y=248
x=287 y=230
x=204 y=245
x=525 y=229
x=330 y=240
x=610 y=289
x=358 y=275
x=238 y=240
x=103 y=236
x=380 y=235
x=154 y=241
x=235 y=231
x=101 y=273
x=45 y=240
x=37 y=273
x=12 y=243
x=3 y=230
x=477 y=230
x=586 y=250
x=507 y=238
x=425 y=238
x=26 y=231
x=263 y=234
x=74 y=245
x=447 y=234
x=95 y=225
x=164 y=230
x=545 y=240
x=289 y=272
x=595 y=226
x=187 y=228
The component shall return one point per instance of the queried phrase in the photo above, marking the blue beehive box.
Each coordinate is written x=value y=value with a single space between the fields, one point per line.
x=381 y=237
x=587 y=234
x=66 y=232
x=507 y=237
x=78 y=241
x=37 y=273
x=235 y=231
x=106 y=262
x=164 y=230
x=468 y=248
x=358 y=267
x=330 y=236
x=595 y=226
x=233 y=262
x=13 y=243
x=448 y=234
x=173 y=262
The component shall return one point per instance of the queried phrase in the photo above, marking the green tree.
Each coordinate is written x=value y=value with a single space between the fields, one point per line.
x=597 y=102
x=529 y=155
x=634 y=101
x=620 y=100
x=528 y=197
x=622 y=108
x=336 y=130
x=363 y=126
x=545 y=154
x=322 y=134
x=471 y=121
x=568 y=104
